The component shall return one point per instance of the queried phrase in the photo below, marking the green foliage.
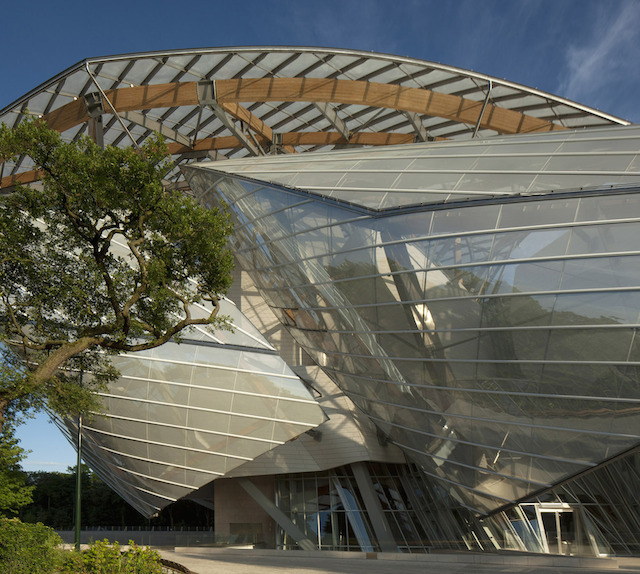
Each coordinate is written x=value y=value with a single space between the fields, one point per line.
x=73 y=563
x=14 y=491
x=20 y=397
x=37 y=549
x=53 y=499
x=102 y=259
x=53 y=505
x=142 y=560
x=102 y=557
x=28 y=548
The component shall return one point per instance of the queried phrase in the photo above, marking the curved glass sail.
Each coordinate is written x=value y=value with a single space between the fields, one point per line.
x=182 y=415
x=493 y=341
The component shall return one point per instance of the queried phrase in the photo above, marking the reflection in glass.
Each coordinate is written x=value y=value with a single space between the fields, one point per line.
x=527 y=301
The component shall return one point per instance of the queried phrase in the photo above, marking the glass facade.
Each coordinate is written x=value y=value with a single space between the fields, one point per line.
x=454 y=171
x=185 y=414
x=475 y=299
x=493 y=341
x=329 y=508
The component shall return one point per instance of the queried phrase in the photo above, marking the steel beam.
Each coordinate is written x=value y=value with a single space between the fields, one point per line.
x=416 y=124
x=484 y=107
x=374 y=509
x=334 y=119
x=148 y=123
x=95 y=110
x=280 y=517
x=207 y=97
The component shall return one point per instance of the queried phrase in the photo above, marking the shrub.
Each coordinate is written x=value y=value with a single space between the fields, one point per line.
x=73 y=563
x=105 y=558
x=36 y=549
x=28 y=548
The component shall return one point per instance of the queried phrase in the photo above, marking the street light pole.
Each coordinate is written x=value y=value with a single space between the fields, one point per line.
x=78 y=484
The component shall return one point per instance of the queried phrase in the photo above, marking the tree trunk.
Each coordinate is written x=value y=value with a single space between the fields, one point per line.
x=57 y=358
x=3 y=405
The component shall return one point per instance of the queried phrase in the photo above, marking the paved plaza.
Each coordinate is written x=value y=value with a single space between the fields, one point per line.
x=209 y=561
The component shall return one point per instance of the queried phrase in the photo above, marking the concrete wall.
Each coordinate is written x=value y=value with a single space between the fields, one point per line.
x=239 y=516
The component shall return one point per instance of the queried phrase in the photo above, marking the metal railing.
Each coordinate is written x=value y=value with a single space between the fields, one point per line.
x=158 y=537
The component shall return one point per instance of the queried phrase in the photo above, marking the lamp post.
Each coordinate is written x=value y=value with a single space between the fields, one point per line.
x=78 y=484
x=78 y=507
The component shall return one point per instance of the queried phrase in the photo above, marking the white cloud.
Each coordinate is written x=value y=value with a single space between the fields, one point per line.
x=607 y=50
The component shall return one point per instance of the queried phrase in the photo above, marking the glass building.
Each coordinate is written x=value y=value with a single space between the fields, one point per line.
x=436 y=304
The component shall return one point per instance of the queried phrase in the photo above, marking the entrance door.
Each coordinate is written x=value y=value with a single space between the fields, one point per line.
x=559 y=529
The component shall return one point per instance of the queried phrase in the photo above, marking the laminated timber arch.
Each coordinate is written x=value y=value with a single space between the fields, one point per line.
x=230 y=93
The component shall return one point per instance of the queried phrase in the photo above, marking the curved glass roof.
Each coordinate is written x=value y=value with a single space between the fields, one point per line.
x=443 y=172
x=235 y=102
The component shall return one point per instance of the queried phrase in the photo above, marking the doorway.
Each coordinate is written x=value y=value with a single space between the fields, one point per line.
x=559 y=527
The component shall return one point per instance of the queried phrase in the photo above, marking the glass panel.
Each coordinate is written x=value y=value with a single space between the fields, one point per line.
x=604 y=238
x=538 y=213
x=463 y=220
x=601 y=272
x=612 y=206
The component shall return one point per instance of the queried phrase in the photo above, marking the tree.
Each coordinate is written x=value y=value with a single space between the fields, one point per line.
x=53 y=505
x=14 y=491
x=99 y=259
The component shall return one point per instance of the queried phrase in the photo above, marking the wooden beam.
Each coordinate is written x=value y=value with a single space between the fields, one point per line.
x=253 y=122
x=335 y=138
x=153 y=96
x=373 y=94
x=206 y=144
x=25 y=177
x=299 y=138
x=230 y=142
x=236 y=91
x=67 y=116
x=126 y=100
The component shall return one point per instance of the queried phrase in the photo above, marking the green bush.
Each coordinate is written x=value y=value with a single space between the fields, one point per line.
x=105 y=558
x=28 y=548
x=73 y=563
x=36 y=549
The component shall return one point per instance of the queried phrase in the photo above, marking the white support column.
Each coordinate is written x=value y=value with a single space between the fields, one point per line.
x=374 y=509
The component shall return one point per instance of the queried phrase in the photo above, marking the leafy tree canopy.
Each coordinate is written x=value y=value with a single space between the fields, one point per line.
x=14 y=491
x=101 y=258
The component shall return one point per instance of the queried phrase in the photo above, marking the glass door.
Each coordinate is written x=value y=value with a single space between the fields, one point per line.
x=558 y=525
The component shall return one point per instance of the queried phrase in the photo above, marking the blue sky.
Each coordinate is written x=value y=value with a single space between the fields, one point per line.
x=584 y=50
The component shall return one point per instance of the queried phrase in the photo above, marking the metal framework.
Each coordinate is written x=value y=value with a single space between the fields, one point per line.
x=258 y=100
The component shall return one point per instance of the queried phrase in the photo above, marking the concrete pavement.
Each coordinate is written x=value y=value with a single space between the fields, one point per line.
x=233 y=561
